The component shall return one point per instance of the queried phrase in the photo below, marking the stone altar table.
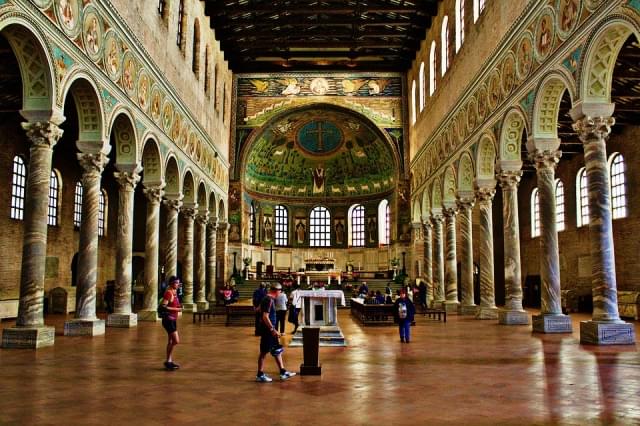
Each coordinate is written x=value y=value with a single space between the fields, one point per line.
x=320 y=309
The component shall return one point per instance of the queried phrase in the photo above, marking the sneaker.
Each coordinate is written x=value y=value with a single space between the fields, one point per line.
x=402 y=340
x=287 y=375
x=171 y=366
x=264 y=379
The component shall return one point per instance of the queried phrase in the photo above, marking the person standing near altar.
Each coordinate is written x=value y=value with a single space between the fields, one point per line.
x=281 y=311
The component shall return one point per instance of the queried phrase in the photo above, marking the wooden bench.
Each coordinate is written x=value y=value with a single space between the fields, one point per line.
x=240 y=315
x=629 y=304
x=436 y=314
x=372 y=314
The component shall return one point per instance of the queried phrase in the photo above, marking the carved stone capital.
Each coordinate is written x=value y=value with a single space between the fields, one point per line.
x=509 y=179
x=42 y=133
x=203 y=218
x=173 y=203
x=465 y=203
x=154 y=193
x=589 y=128
x=437 y=219
x=545 y=160
x=449 y=212
x=128 y=180
x=212 y=224
x=92 y=164
x=190 y=212
x=485 y=194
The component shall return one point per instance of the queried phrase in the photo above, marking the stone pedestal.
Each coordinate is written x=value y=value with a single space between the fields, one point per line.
x=82 y=327
x=320 y=309
x=468 y=309
x=148 y=315
x=512 y=317
x=487 y=313
x=607 y=333
x=28 y=337
x=202 y=306
x=552 y=324
x=451 y=306
x=122 y=320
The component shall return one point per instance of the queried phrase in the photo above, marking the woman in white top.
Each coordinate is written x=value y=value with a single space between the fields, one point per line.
x=296 y=305
x=281 y=311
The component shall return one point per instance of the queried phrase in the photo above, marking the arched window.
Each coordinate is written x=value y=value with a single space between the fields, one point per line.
x=421 y=87
x=559 y=205
x=319 y=227
x=478 y=7
x=181 y=24
x=214 y=85
x=582 y=197
x=444 y=35
x=535 y=214
x=162 y=4
x=252 y=224
x=384 y=222
x=459 y=24
x=54 y=197
x=195 y=60
x=207 y=73
x=282 y=226
x=413 y=102
x=77 y=206
x=224 y=100
x=356 y=225
x=102 y=213
x=432 y=68
x=18 y=186
x=617 y=170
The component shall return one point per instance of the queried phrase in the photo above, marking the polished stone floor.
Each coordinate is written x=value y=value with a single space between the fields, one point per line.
x=464 y=372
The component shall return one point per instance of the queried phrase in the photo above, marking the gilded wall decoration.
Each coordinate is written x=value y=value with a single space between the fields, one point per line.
x=156 y=102
x=93 y=34
x=568 y=12
x=482 y=104
x=472 y=114
x=494 y=90
x=68 y=15
x=62 y=62
x=508 y=74
x=593 y=4
x=43 y=4
x=129 y=74
x=545 y=31
x=524 y=54
x=112 y=55
x=167 y=116
x=143 y=90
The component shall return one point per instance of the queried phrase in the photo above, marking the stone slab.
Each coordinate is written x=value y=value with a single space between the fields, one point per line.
x=79 y=327
x=468 y=309
x=202 y=306
x=122 y=320
x=9 y=308
x=607 y=333
x=329 y=336
x=451 y=308
x=552 y=324
x=513 y=317
x=487 y=313
x=28 y=338
x=148 y=316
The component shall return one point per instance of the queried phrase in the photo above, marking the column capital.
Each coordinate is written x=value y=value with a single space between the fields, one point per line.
x=190 y=212
x=465 y=203
x=128 y=180
x=589 y=128
x=154 y=193
x=42 y=133
x=545 y=159
x=485 y=194
x=173 y=202
x=223 y=226
x=450 y=211
x=213 y=223
x=203 y=218
x=427 y=225
x=436 y=219
x=92 y=163
x=509 y=179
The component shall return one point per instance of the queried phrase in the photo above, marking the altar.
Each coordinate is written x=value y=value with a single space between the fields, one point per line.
x=321 y=269
x=320 y=309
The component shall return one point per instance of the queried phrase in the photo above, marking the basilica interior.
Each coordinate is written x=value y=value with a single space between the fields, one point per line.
x=478 y=152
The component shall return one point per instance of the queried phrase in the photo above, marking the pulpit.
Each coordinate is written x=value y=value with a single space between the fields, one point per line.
x=320 y=309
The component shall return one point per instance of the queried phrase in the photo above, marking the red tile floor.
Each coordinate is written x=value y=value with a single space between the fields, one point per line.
x=464 y=372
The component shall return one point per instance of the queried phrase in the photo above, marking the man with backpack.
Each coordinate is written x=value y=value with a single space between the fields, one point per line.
x=404 y=311
x=258 y=294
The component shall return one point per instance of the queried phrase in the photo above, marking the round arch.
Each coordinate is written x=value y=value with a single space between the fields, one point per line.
x=125 y=141
x=151 y=163
x=547 y=104
x=465 y=173
x=436 y=197
x=203 y=200
x=486 y=158
x=188 y=188
x=212 y=206
x=221 y=211
x=449 y=187
x=426 y=206
x=92 y=135
x=513 y=125
x=172 y=177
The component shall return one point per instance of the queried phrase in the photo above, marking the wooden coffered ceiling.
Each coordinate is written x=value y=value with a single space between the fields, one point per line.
x=297 y=35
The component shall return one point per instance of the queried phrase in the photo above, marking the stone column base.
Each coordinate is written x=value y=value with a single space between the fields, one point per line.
x=203 y=306
x=451 y=307
x=122 y=320
x=468 y=309
x=81 y=327
x=556 y=323
x=484 y=313
x=28 y=337
x=607 y=333
x=508 y=317
x=189 y=307
x=148 y=316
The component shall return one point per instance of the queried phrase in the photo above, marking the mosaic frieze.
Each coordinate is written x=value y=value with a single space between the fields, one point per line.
x=93 y=32
x=303 y=85
x=567 y=17
x=68 y=15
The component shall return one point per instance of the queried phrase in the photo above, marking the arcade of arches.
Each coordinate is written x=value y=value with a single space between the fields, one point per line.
x=500 y=170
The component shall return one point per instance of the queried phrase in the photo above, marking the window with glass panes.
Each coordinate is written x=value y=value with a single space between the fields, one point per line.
x=282 y=226
x=18 y=185
x=102 y=210
x=618 y=190
x=583 y=197
x=559 y=205
x=387 y=225
x=319 y=227
x=535 y=214
x=180 y=33
x=357 y=226
x=77 y=206
x=252 y=224
x=54 y=187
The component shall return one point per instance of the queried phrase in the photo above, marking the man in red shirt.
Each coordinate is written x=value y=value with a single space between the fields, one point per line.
x=171 y=303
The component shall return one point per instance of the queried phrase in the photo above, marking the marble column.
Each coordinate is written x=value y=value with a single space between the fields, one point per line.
x=171 y=246
x=438 y=262
x=551 y=319
x=149 y=310
x=487 y=308
x=428 y=258
x=221 y=252
x=605 y=327
x=465 y=206
x=189 y=214
x=200 y=252
x=417 y=252
x=30 y=331
x=122 y=315
x=211 y=261
x=86 y=323
x=512 y=314
x=451 y=303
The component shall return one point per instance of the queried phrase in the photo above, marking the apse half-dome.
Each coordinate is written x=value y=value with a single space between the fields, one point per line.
x=319 y=152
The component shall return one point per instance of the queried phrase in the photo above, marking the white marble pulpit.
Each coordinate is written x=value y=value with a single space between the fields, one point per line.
x=320 y=309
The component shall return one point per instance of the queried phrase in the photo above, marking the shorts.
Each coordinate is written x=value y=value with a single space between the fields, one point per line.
x=169 y=325
x=267 y=341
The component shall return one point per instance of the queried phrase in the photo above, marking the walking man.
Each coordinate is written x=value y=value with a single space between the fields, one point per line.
x=404 y=312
